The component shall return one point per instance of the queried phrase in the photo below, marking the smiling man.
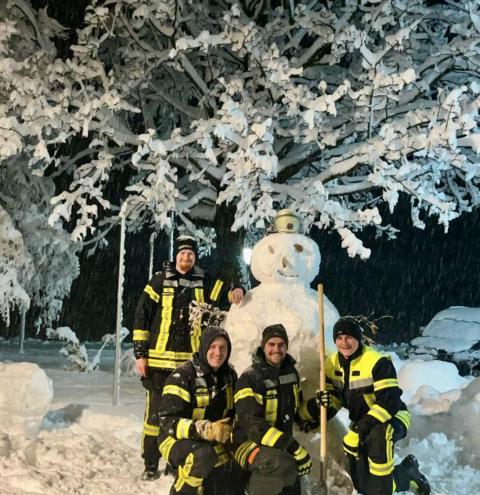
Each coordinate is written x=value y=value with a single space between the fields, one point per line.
x=365 y=382
x=164 y=337
x=268 y=401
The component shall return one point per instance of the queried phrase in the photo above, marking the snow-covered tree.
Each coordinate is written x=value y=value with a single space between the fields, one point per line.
x=331 y=107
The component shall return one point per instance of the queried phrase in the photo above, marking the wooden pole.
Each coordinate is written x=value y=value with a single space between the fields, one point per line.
x=323 y=410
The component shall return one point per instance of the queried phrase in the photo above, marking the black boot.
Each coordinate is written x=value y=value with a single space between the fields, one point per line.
x=417 y=479
x=151 y=473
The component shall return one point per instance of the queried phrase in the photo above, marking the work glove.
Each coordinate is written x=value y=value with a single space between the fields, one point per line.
x=301 y=456
x=217 y=431
x=324 y=398
x=364 y=426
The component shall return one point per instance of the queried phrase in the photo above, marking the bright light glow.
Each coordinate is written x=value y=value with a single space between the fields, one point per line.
x=247 y=255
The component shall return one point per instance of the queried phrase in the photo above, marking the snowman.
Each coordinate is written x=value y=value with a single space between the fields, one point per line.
x=285 y=263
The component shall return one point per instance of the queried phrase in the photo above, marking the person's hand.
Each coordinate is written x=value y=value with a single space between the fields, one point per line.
x=217 y=431
x=324 y=398
x=364 y=426
x=236 y=296
x=141 y=366
x=302 y=460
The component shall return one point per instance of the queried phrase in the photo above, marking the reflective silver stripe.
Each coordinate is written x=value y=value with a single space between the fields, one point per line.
x=282 y=380
x=338 y=384
x=366 y=382
x=190 y=283
x=170 y=283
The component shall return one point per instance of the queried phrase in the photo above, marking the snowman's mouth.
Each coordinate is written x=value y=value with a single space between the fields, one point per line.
x=287 y=275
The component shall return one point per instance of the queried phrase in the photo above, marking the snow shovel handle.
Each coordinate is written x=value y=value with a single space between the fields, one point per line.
x=323 y=387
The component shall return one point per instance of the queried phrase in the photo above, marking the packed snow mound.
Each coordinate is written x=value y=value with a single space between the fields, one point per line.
x=454 y=329
x=26 y=393
x=284 y=264
x=430 y=387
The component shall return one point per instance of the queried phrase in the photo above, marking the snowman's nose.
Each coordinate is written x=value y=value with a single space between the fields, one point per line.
x=284 y=262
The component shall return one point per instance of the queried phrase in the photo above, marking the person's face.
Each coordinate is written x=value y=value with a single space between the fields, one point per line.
x=275 y=350
x=346 y=345
x=185 y=260
x=217 y=353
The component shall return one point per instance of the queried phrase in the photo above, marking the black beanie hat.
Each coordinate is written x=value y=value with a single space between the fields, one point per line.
x=185 y=242
x=276 y=330
x=208 y=336
x=347 y=326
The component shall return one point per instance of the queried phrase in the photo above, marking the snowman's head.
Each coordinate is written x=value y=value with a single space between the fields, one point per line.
x=290 y=258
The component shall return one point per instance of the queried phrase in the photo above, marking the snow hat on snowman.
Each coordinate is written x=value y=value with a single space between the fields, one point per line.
x=347 y=326
x=276 y=330
x=287 y=221
x=185 y=242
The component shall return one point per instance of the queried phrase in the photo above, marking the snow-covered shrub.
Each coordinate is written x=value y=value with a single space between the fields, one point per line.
x=76 y=352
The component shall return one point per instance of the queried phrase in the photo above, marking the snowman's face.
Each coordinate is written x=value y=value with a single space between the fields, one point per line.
x=290 y=258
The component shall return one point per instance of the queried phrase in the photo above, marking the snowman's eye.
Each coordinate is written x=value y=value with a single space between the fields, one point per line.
x=298 y=248
x=270 y=248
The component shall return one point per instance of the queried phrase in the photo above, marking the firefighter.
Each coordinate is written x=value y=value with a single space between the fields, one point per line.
x=268 y=400
x=365 y=382
x=163 y=336
x=196 y=412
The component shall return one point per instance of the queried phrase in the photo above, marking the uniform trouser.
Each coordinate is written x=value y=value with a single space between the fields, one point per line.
x=154 y=386
x=203 y=467
x=371 y=464
x=272 y=471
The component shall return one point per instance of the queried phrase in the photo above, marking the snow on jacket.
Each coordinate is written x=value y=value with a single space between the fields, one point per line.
x=194 y=391
x=366 y=383
x=162 y=328
x=268 y=400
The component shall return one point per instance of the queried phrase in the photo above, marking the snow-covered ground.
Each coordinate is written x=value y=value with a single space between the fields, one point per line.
x=87 y=446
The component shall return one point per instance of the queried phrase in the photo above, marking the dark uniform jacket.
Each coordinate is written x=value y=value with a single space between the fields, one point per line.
x=366 y=383
x=268 y=400
x=162 y=330
x=193 y=392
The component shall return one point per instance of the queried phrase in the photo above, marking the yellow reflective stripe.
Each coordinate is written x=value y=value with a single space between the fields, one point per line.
x=222 y=455
x=369 y=399
x=387 y=383
x=184 y=475
x=172 y=355
x=167 y=308
x=248 y=392
x=379 y=413
x=164 y=364
x=140 y=335
x=229 y=391
x=199 y=295
x=296 y=393
x=183 y=428
x=216 y=290
x=389 y=442
x=166 y=446
x=198 y=413
x=271 y=437
x=405 y=417
x=242 y=453
x=380 y=469
x=175 y=390
x=350 y=443
x=303 y=412
x=271 y=406
x=151 y=292
x=151 y=430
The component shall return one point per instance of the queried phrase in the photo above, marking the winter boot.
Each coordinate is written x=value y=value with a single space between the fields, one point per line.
x=417 y=479
x=150 y=474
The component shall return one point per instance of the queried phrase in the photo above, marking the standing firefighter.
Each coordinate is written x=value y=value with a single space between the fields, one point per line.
x=268 y=400
x=196 y=411
x=163 y=336
x=365 y=382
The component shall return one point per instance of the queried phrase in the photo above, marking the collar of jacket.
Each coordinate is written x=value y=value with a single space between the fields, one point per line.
x=260 y=361
x=344 y=361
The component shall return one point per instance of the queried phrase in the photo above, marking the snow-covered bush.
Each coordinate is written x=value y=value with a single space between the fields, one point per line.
x=76 y=352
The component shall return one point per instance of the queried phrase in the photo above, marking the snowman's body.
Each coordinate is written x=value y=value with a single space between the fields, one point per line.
x=284 y=264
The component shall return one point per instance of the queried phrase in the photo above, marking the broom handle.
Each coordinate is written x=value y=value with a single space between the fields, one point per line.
x=323 y=410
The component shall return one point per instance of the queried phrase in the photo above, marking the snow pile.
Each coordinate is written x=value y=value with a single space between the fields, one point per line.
x=285 y=264
x=454 y=330
x=25 y=396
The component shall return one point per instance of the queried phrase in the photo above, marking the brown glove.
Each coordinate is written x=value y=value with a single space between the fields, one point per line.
x=218 y=431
